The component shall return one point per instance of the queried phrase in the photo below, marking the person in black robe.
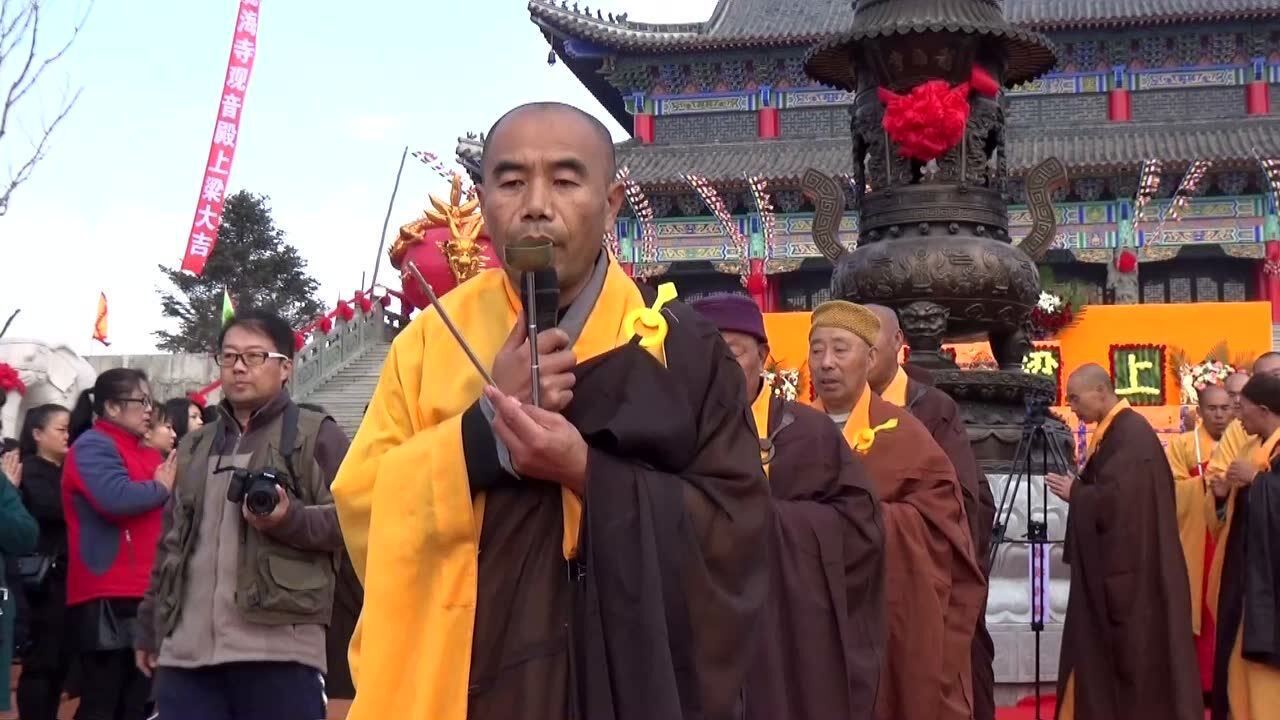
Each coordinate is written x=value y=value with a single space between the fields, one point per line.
x=911 y=388
x=1127 y=647
x=823 y=633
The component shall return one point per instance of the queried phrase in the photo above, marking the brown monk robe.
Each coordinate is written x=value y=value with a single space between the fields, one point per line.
x=822 y=634
x=595 y=557
x=933 y=585
x=1127 y=648
x=912 y=389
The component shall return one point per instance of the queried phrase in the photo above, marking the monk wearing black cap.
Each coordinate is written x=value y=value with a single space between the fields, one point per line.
x=822 y=634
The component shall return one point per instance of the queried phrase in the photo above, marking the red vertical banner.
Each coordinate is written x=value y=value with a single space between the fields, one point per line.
x=222 y=150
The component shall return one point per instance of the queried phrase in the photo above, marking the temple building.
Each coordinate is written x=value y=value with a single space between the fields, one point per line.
x=1193 y=84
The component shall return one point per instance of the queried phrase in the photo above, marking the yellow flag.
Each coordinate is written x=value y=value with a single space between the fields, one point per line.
x=100 y=324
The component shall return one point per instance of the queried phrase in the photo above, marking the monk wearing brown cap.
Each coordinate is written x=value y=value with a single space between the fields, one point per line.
x=941 y=416
x=933 y=584
x=822 y=633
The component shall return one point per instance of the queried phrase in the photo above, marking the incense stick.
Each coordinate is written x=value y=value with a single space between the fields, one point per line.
x=444 y=316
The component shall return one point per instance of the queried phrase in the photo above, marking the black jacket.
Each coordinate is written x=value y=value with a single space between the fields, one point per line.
x=42 y=495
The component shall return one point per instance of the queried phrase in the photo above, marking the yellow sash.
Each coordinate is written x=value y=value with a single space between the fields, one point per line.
x=896 y=392
x=858 y=431
x=1104 y=426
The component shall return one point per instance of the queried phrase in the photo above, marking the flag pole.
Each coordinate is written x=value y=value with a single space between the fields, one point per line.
x=382 y=241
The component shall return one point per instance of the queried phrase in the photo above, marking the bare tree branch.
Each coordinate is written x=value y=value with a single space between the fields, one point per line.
x=23 y=30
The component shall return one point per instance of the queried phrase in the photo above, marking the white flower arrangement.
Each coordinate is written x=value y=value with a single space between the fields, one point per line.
x=1049 y=302
x=1194 y=378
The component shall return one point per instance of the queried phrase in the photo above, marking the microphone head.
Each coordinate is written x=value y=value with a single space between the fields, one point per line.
x=529 y=256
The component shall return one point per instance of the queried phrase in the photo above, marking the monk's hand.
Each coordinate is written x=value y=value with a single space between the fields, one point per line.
x=555 y=359
x=543 y=444
x=1060 y=485
x=1241 y=472
x=1220 y=486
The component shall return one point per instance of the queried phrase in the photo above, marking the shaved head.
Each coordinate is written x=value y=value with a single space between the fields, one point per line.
x=597 y=131
x=1233 y=385
x=1091 y=393
x=1267 y=364
x=888 y=347
x=1215 y=409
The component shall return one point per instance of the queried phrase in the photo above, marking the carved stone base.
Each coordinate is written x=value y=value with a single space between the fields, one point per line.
x=994 y=405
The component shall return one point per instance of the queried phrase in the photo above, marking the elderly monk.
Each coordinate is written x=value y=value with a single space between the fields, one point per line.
x=1247 y=667
x=1127 y=648
x=823 y=632
x=596 y=557
x=934 y=586
x=941 y=416
x=1188 y=455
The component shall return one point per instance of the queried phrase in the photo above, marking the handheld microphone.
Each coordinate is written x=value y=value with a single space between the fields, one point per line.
x=541 y=298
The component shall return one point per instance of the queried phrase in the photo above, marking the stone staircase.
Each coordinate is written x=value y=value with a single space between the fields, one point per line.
x=347 y=392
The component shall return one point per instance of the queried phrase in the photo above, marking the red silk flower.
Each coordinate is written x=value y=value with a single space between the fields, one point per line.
x=1126 y=262
x=9 y=380
x=299 y=341
x=385 y=301
x=365 y=304
x=326 y=325
x=345 y=313
x=927 y=121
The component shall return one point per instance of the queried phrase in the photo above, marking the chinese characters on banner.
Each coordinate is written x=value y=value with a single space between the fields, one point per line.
x=1138 y=373
x=213 y=188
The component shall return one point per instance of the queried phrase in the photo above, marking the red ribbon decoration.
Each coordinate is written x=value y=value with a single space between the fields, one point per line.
x=222 y=150
x=927 y=121
x=326 y=325
x=9 y=380
x=344 y=311
x=299 y=341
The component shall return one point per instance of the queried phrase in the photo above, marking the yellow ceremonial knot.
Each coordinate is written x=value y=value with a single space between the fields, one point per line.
x=865 y=438
x=648 y=323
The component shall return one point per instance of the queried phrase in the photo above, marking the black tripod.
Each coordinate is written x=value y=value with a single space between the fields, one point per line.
x=1037 y=537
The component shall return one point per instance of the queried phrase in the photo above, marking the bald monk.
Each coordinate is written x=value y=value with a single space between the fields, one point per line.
x=1233 y=385
x=934 y=586
x=1247 y=667
x=596 y=557
x=1188 y=455
x=822 y=635
x=941 y=416
x=1127 y=649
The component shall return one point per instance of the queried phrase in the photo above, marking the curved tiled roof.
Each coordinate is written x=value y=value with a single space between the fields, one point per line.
x=1094 y=148
x=774 y=23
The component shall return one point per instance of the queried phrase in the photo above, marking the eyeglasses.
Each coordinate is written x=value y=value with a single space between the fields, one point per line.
x=144 y=401
x=253 y=358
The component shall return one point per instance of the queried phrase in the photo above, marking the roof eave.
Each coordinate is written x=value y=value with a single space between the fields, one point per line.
x=1068 y=24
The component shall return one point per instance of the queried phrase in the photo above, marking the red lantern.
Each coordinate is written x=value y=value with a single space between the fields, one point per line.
x=1126 y=262
x=927 y=121
x=344 y=311
x=299 y=341
x=429 y=256
x=326 y=325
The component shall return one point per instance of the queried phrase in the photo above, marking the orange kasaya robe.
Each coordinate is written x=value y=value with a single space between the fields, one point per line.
x=934 y=587
x=1253 y=689
x=1189 y=455
x=410 y=655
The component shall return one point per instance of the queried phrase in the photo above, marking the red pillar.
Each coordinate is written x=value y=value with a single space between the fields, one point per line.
x=767 y=124
x=1270 y=284
x=1119 y=108
x=643 y=129
x=758 y=284
x=1257 y=98
x=1118 y=105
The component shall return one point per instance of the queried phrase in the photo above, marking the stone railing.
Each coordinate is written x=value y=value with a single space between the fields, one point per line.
x=325 y=354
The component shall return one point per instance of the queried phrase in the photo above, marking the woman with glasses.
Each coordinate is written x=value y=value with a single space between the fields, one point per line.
x=113 y=490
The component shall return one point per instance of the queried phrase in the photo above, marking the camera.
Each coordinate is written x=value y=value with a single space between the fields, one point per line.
x=257 y=490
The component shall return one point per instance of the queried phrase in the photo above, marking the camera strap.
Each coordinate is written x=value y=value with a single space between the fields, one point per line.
x=289 y=443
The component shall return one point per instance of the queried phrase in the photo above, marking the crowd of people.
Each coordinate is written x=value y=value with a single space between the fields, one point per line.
x=661 y=534
x=121 y=516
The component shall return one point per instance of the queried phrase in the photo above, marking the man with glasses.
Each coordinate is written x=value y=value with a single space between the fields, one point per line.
x=243 y=584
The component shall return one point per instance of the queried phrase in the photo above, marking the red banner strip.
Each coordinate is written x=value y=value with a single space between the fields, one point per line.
x=222 y=150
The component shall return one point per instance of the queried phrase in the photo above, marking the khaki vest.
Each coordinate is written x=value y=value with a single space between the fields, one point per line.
x=275 y=584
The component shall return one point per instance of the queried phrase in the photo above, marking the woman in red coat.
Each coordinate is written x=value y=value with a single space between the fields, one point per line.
x=113 y=490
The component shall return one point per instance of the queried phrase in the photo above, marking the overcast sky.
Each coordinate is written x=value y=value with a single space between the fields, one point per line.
x=336 y=94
